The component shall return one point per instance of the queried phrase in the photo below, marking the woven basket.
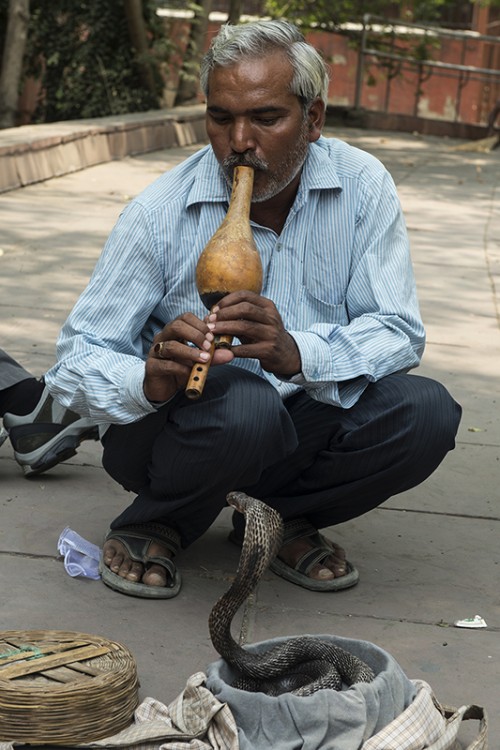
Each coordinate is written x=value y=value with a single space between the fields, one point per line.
x=64 y=688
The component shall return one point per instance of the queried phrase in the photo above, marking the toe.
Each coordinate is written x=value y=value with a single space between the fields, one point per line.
x=332 y=565
x=114 y=556
x=336 y=562
x=156 y=575
x=109 y=553
x=118 y=563
x=320 y=573
x=133 y=571
x=328 y=569
x=337 y=566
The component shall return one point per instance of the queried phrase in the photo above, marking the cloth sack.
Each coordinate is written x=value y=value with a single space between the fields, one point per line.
x=390 y=713
x=326 y=720
x=426 y=725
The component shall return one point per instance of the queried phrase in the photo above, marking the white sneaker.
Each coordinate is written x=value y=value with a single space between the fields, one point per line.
x=47 y=436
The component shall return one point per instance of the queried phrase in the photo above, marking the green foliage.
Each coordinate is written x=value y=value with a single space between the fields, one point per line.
x=81 y=51
x=330 y=14
x=324 y=13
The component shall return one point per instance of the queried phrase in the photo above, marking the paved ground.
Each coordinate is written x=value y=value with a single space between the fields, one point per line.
x=427 y=558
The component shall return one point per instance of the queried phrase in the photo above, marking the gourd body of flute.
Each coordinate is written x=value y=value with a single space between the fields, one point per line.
x=230 y=260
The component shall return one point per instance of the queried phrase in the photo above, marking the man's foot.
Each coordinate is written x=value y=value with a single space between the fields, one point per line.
x=137 y=560
x=312 y=561
x=306 y=557
x=48 y=435
x=329 y=567
x=117 y=558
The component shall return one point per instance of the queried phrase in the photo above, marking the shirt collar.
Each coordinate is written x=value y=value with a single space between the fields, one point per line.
x=319 y=173
x=209 y=185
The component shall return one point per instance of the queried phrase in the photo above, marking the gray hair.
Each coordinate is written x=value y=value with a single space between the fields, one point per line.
x=249 y=40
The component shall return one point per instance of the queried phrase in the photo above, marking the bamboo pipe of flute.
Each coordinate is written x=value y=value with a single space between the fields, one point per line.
x=199 y=372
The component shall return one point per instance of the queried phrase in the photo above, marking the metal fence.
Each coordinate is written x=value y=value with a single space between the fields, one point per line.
x=396 y=47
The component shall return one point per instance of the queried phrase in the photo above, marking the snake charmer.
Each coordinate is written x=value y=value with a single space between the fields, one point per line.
x=313 y=408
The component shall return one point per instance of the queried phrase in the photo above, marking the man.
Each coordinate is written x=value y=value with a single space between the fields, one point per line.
x=311 y=410
x=42 y=432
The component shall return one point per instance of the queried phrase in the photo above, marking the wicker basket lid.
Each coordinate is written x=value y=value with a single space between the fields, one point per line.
x=63 y=687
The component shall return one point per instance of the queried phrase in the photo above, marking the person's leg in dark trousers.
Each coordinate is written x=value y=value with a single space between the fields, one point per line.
x=352 y=460
x=184 y=459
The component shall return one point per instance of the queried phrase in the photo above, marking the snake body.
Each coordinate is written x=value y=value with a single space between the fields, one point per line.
x=300 y=665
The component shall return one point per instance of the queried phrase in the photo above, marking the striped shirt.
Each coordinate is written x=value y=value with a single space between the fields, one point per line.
x=339 y=273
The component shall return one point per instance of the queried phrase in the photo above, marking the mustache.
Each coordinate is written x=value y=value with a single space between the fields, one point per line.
x=244 y=160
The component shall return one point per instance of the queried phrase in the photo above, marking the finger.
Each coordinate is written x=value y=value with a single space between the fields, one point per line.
x=246 y=330
x=185 y=328
x=166 y=349
x=177 y=351
x=247 y=310
x=161 y=350
x=222 y=357
x=239 y=296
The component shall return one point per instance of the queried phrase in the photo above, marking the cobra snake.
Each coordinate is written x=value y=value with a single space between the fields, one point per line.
x=300 y=665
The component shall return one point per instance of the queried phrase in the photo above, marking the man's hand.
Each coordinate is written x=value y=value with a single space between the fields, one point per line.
x=256 y=322
x=171 y=358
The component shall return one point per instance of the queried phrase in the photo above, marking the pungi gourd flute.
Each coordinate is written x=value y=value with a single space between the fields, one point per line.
x=229 y=262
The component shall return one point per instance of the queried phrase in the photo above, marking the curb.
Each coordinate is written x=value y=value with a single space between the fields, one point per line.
x=34 y=153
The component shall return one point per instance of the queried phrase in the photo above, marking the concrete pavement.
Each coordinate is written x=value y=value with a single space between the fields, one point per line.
x=427 y=557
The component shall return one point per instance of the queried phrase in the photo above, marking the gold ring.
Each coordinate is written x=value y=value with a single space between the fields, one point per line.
x=158 y=349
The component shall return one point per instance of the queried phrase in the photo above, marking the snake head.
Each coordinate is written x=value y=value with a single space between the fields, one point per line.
x=239 y=501
x=246 y=504
x=262 y=515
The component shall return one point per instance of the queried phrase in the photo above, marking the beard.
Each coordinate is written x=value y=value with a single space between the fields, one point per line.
x=274 y=182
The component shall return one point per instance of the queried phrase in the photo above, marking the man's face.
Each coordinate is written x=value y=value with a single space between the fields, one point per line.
x=253 y=119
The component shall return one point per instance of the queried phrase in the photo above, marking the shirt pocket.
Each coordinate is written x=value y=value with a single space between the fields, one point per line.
x=318 y=310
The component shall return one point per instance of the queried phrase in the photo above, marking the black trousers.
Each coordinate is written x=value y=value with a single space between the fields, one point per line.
x=11 y=372
x=19 y=390
x=302 y=457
